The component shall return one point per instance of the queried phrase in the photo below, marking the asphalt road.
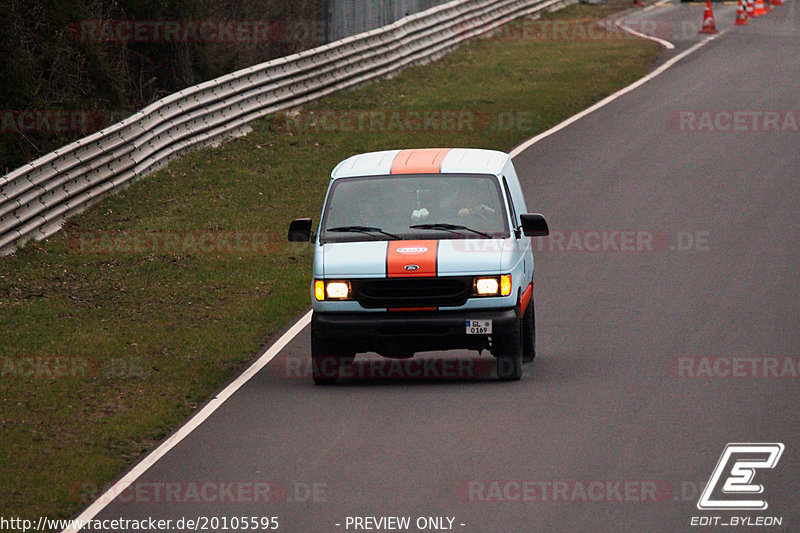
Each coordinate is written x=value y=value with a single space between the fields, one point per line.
x=676 y=22
x=610 y=430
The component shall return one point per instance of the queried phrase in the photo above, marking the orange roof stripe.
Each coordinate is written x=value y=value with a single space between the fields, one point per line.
x=419 y=161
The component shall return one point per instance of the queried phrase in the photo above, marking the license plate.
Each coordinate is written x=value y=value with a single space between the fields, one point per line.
x=479 y=327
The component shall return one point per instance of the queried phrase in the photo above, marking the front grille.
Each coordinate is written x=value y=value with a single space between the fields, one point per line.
x=412 y=292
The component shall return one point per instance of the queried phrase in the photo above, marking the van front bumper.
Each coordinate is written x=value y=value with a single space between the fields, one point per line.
x=401 y=333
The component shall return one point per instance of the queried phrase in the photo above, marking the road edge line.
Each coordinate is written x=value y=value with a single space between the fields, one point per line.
x=663 y=42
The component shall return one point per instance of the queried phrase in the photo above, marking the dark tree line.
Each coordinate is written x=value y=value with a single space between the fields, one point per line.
x=69 y=67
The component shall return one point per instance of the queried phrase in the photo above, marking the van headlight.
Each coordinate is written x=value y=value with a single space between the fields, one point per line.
x=487 y=286
x=331 y=290
x=492 y=285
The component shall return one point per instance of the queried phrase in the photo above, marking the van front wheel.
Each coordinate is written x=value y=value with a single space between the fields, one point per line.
x=529 y=334
x=508 y=351
x=326 y=358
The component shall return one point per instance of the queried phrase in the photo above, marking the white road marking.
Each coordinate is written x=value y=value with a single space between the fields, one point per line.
x=666 y=44
x=608 y=99
x=117 y=488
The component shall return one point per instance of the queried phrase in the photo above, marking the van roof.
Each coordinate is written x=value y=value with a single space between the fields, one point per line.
x=423 y=161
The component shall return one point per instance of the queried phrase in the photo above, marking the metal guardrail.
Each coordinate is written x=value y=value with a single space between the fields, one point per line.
x=36 y=198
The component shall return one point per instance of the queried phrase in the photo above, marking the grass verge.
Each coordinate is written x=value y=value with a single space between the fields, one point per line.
x=115 y=329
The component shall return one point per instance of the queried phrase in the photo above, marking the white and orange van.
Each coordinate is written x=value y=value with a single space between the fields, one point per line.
x=420 y=250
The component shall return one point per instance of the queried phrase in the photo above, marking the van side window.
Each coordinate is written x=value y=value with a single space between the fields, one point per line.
x=514 y=218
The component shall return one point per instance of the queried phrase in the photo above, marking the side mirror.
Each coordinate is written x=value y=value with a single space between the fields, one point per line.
x=300 y=230
x=534 y=225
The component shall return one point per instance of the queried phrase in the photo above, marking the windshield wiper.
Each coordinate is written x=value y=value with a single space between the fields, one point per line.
x=449 y=227
x=361 y=229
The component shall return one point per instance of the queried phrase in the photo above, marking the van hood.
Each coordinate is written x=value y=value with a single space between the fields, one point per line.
x=412 y=258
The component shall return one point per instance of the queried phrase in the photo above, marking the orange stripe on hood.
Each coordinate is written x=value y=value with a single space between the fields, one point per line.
x=419 y=161
x=411 y=259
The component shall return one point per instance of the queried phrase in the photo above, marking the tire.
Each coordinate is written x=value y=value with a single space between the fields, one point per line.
x=529 y=334
x=326 y=358
x=508 y=351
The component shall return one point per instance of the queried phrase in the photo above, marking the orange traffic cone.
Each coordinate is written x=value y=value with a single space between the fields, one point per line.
x=759 y=9
x=751 y=9
x=708 y=19
x=767 y=7
x=777 y=2
x=741 y=15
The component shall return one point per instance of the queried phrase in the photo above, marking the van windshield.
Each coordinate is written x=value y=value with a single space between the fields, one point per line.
x=415 y=206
